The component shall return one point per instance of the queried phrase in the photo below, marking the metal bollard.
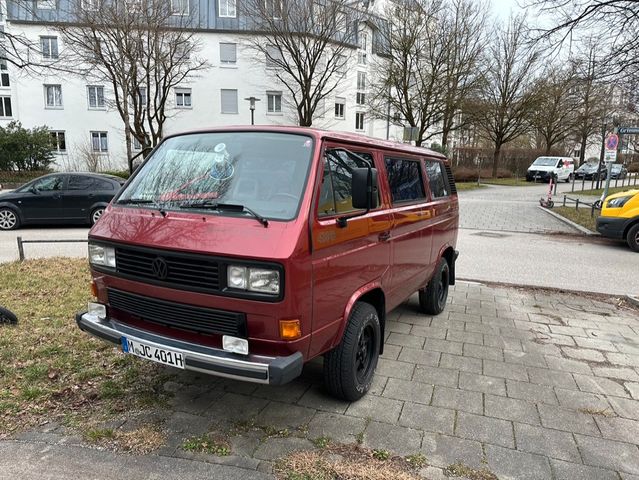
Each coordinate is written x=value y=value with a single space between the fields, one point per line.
x=565 y=199
x=20 y=249
x=577 y=205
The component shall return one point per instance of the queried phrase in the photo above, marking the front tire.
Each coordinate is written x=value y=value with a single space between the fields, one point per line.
x=350 y=367
x=432 y=299
x=632 y=237
x=9 y=219
x=7 y=317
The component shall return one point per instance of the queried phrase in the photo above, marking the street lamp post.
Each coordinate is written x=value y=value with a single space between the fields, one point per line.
x=252 y=101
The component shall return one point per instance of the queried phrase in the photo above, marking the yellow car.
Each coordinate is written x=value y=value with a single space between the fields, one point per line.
x=620 y=218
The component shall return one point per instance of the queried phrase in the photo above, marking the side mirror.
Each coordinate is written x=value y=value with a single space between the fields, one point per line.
x=364 y=188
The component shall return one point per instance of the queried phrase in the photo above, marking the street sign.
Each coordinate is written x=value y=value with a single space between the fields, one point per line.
x=612 y=141
x=410 y=134
x=628 y=130
x=610 y=156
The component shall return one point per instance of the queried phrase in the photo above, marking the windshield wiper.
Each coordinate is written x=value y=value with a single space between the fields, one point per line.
x=142 y=201
x=229 y=207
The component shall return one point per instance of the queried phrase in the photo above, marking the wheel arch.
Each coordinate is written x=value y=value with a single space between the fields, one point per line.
x=13 y=207
x=634 y=221
x=448 y=253
x=94 y=207
x=372 y=294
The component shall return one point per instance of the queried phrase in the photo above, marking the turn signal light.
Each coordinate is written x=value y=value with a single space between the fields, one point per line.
x=94 y=289
x=290 y=329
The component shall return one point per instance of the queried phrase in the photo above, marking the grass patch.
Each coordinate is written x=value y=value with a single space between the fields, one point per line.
x=463 y=186
x=599 y=191
x=461 y=470
x=322 y=442
x=417 y=460
x=580 y=216
x=141 y=440
x=509 y=182
x=96 y=435
x=343 y=462
x=207 y=443
x=52 y=371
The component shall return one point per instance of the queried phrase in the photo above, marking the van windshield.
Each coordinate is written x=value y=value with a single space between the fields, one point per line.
x=545 y=162
x=262 y=171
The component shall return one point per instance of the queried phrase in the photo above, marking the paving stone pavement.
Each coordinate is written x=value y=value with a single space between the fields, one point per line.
x=527 y=384
x=510 y=209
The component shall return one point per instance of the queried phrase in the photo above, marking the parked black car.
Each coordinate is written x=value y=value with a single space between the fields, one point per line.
x=58 y=198
x=618 y=171
x=590 y=171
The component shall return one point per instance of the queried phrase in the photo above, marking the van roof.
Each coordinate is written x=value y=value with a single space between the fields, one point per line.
x=320 y=134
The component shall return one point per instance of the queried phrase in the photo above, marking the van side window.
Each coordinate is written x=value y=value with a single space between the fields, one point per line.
x=405 y=179
x=336 y=196
x=438 y=182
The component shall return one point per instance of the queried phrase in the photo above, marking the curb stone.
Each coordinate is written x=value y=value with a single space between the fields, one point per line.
x=583 y=230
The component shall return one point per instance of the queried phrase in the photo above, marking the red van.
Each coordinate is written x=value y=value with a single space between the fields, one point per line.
x=245 y=252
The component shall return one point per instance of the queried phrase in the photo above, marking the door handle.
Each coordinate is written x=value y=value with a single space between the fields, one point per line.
x=384 y=236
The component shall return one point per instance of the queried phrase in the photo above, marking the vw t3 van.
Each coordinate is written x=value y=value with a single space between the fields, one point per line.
x=246 y=252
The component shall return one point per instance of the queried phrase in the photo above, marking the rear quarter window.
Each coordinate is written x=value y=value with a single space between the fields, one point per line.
x=438 y=179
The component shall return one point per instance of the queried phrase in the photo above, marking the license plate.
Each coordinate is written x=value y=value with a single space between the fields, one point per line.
x=151 y=352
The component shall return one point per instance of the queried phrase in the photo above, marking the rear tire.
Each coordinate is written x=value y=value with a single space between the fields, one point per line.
x=350 y=367
x=432 y=299
x=632 y=237
x=9 y=219
x=96 y=214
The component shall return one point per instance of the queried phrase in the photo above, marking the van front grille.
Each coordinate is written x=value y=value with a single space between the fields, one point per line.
x=183 y=271
x=179 y=315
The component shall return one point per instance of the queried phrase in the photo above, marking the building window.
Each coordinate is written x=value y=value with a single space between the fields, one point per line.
x=4 y=75
x=49 y=48
x=136 y=144
x=361 y=58
x=53 y=96
x=183 y=97
x=58 y=140
x=229 y=101
x=180 y=7
x=96 y=97
x=361 y=98
x=228 y=53
x=273 y=8
x=363 y=41
x=226 y=8
x=274 y=102
x=91 y=5
x=99 y=142
x=361 y=80
x=45 y=4
x=359 y=121
x=5 y=107
x=142 y=96
x=339 y=107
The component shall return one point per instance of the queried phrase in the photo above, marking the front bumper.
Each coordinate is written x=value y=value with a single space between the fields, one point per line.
x=251 y=368
x=612 y=227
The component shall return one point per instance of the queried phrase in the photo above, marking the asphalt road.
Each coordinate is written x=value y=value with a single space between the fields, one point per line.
x=495 y=242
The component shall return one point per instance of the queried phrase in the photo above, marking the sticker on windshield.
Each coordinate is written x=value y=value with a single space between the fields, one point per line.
x=222 y=168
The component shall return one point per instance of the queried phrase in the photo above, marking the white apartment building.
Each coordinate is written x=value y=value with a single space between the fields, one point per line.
x=78 y=112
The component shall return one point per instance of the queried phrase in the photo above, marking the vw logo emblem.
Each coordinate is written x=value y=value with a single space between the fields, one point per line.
x=159 y=268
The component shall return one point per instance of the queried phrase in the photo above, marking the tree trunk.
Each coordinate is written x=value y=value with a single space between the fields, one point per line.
x=496 y=159
x=582 y=150
x=445 y=133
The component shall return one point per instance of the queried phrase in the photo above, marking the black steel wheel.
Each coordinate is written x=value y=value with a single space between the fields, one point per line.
x=432 y=299
x=7 y=317
x=350 y=367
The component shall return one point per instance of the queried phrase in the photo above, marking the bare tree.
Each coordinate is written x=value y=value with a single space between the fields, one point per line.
x=408 y=86
x=304 y=45
x=143 y=49
x=558 y=109
x=464 y=45
x=617 y=22
x=508 y=97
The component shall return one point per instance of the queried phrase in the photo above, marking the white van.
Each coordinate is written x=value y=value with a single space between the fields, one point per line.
x=562 y=167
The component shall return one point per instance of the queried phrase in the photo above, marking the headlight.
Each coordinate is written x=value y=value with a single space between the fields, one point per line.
x=101 y=255
x=618 y=202
x=259 y=280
